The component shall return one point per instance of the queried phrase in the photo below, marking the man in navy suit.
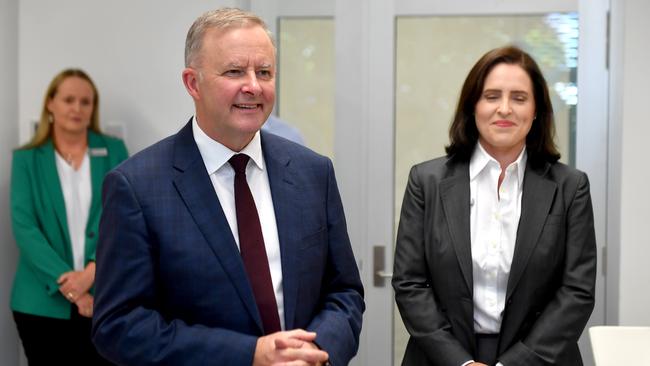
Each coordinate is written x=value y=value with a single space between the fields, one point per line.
x=174 y=282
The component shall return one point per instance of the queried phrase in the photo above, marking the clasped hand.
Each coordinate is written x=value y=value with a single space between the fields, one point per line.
x=289 y=348
x=74 y=285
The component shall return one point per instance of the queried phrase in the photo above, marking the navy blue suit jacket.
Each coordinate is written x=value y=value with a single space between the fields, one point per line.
x=170 y=284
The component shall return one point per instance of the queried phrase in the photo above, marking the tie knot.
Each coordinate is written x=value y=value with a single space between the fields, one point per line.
x=238 y=163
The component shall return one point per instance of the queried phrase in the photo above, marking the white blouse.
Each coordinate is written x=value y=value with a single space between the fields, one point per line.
x=76 y=188
x=494 y=222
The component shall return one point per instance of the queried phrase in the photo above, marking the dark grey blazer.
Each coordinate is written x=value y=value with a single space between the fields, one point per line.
x=551 y=287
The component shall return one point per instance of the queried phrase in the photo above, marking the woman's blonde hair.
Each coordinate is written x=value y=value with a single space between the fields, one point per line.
x=44 y=128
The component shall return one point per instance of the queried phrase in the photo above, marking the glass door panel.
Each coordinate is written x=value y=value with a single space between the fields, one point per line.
x=305 y=97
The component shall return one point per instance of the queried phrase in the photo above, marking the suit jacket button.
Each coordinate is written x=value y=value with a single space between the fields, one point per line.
x=91 y=234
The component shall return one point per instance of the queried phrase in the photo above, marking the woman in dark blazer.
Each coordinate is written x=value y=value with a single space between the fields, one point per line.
x=495 y=260
x=55 y=207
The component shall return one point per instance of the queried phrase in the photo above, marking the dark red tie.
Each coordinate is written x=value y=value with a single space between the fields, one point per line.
x=251 y=246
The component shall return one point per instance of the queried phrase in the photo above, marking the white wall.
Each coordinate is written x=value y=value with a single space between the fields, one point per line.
x=8 y=140
x=631 y=130
x=132 y=49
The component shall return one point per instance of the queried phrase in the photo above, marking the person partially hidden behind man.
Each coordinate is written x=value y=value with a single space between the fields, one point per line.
x=224 y=245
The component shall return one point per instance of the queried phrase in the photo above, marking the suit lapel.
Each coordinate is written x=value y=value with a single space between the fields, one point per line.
x=52 y=184
x=195 y=188
x=286 y=199
x=537 y=197
x=454 y=192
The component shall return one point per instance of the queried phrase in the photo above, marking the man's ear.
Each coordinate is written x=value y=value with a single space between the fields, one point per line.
x=191 y=81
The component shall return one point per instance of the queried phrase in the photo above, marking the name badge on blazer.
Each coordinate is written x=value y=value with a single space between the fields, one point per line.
x=98 y=152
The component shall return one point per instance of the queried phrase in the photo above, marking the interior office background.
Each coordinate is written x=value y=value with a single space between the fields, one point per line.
x=134 y=50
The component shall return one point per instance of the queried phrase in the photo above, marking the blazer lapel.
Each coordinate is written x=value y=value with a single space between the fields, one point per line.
x=51 y=183
x=537 y=197
x=454 y=192
x=195 y=188
x=286 y=199
x=98 y=168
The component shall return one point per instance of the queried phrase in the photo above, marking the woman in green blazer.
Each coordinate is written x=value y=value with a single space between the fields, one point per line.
x=55 y=206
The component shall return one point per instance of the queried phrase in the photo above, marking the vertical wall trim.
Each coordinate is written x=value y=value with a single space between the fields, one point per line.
x=9 y=345
x=616 y=73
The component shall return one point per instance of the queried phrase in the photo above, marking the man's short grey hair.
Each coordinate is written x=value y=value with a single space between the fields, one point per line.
x=223 y=18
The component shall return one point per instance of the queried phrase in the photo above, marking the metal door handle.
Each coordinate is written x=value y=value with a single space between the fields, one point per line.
x=378 y=269
x=384 y=274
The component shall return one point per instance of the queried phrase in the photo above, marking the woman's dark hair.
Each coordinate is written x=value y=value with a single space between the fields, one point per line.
x=463 y=133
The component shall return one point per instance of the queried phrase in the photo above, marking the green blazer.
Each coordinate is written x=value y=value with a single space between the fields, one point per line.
x=40 y=225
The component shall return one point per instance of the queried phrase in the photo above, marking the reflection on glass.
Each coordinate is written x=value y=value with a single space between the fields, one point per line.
x=306 y=79
x=433 y=57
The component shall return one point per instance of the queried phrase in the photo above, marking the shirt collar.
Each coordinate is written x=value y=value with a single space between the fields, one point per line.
x=215 y=155
x=480 y=159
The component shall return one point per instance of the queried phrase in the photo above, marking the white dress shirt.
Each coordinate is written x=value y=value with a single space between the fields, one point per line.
x=77 y=192
x=215 y=157
x=494 y=218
